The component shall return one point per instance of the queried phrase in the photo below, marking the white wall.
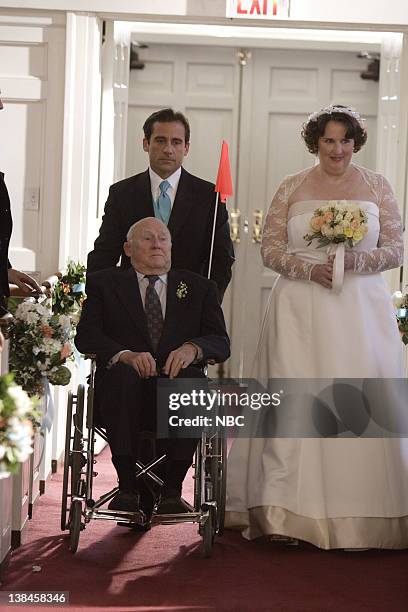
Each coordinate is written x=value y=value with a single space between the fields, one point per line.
x=351 y=11
x=346 y=11
x=165 y=7
x=32 y=58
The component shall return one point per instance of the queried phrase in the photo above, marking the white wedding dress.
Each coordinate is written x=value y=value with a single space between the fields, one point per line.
x=334 y=493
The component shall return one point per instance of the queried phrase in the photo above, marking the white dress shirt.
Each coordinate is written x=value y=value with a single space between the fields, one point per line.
x=155 y=181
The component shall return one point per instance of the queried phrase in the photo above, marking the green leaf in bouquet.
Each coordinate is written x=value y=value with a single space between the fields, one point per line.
x=61 y=377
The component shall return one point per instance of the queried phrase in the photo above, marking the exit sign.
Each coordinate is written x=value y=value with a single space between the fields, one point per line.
x=258 y=9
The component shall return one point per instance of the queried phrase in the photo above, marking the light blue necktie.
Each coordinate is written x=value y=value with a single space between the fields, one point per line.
x=163 y=204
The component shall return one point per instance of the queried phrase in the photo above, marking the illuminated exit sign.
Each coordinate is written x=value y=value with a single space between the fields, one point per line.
x=259 y=9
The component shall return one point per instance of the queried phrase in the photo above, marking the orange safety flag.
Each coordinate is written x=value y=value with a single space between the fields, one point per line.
x=224 y=182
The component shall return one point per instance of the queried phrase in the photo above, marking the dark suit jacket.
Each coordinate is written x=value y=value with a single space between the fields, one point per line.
x=190 y=225
x=6 y=226
x=113 y=319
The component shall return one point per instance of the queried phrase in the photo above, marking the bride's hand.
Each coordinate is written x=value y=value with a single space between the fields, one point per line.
x=323 y=274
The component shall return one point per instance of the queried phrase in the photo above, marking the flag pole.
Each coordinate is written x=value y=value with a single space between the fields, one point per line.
x=223 y=188
x=213 y=236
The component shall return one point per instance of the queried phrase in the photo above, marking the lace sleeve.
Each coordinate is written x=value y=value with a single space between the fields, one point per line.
x=274 y=248
x=389 y=252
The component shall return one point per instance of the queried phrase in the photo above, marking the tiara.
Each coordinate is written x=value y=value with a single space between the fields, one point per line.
x=329 y=110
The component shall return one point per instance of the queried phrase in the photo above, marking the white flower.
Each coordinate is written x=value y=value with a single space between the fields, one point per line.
x=31 y=312
x=327 y=230
x=65 y=322
x=21 y=400
x=338 y=218
x=51 y=345
x=398 y=299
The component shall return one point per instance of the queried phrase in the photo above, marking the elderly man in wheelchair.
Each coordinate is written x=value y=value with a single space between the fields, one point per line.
x=145 y=323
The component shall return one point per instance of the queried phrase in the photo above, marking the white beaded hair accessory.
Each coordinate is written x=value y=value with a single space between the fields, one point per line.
x=329 y=110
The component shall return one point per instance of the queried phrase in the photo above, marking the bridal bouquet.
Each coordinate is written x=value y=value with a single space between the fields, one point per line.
x=39 y=347
x=401 y=306
x=18 y=417
x=336 y=222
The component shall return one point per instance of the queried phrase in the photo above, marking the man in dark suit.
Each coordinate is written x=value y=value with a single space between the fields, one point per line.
x=182 y=201
x=142 y=323
x=7 y=273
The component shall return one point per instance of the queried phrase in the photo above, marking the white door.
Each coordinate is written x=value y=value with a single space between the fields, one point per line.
x=258 y=106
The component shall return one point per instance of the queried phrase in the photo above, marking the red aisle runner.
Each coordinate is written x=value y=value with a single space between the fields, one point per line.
x=163 y=569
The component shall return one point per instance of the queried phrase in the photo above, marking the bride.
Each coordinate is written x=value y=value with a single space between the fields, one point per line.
x=327 y=318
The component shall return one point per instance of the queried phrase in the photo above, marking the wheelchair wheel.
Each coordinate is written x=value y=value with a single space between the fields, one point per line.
x=75 y=525
x=197 y=477
x=74 y=460
x=64 y=503
x=208 y=532
x=221 y=489
x=77 y=459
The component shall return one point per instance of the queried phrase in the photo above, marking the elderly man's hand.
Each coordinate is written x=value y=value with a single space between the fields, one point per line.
x=23 y=281
x=179 y=359
x=143 y=363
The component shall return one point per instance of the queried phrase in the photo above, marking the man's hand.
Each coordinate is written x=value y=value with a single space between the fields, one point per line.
x=23 y=281
x=143 y=363
x=179 y=359
x=323 y=274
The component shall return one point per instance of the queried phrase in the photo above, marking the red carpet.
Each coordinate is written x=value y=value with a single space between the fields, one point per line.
x=115 y=569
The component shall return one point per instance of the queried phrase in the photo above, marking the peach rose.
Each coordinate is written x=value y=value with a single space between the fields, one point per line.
x=47 y=331
x=316 y=223
x=66 y=350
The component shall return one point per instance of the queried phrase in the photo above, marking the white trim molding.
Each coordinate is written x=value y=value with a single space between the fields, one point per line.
x=80 y=164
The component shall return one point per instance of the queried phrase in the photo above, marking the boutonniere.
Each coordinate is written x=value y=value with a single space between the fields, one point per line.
x=182 y=290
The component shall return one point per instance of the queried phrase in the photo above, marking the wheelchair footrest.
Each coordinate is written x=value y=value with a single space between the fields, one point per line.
x=136 y=526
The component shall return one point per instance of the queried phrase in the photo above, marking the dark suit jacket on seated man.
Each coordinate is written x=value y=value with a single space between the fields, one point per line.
x=117 y=325
x=189 y=200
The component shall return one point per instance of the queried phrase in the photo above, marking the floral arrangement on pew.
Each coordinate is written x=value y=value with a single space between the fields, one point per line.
x=337 y=222
x=69 y=292
x=40 y=345
x=41 y=334
x=401 y=306
x=18 y=419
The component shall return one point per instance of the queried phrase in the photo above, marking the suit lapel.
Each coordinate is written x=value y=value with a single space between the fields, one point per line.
x=127 y=290
x=143 y=197
x=182 y=204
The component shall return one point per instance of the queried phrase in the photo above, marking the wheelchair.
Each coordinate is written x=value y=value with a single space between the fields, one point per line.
x=79 y=507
